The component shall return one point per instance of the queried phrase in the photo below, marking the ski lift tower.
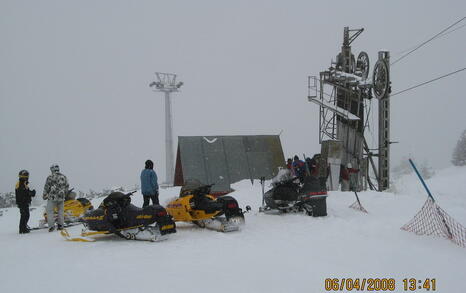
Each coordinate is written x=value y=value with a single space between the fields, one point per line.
x=166 y=83
x=342 y=93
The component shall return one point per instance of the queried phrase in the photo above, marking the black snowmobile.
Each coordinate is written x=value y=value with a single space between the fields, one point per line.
x=290 y=195
x=116 y=215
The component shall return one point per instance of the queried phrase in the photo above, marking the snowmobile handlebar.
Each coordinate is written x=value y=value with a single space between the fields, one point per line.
x=131 y=193
x=286 y=181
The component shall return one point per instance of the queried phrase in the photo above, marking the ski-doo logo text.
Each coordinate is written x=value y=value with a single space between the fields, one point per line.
x=144 y=217
x=174 y=205
x=93 y=218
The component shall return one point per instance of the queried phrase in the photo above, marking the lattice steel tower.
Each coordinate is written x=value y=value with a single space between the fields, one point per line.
x=166 y=83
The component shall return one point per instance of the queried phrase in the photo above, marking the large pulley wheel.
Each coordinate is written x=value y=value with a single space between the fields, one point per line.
x=362 y=65
x=380 y=79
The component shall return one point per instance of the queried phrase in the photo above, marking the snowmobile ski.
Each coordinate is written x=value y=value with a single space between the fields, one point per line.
x=68 y=237
x=147 y=233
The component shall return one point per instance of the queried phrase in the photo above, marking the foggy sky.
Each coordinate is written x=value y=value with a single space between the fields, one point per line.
x=74 y=78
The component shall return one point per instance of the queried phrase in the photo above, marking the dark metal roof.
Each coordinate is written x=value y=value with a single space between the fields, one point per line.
x=227 y=159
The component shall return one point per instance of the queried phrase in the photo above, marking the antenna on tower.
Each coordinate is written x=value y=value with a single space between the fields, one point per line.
x=166 y=83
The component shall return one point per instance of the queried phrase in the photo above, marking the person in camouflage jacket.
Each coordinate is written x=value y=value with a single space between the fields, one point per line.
x=55 y=189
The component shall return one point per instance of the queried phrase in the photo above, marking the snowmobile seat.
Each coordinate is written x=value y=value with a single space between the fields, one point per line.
x=230 y=206
x=204 y=203
x=285 y=192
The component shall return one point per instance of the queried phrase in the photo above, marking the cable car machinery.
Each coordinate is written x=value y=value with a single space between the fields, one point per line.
x=342 y=113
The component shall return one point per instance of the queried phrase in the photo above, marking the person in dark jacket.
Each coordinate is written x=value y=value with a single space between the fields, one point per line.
x=23 y=200
x=311 y=165
x=149 y=185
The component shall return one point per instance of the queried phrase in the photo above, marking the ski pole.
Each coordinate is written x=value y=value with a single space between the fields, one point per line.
x=430 y=195
x=357 y=198
x=422 y=180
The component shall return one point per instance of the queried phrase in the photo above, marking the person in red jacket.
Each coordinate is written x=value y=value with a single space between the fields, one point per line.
x=289 y=164
x=353 y=178
x=344 y=178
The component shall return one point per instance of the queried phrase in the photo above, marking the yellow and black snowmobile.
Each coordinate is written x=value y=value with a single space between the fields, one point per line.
x=198 y=206
x=73 y=210
x=116 y=215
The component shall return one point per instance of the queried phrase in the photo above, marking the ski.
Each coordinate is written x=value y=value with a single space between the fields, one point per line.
x=68 y=237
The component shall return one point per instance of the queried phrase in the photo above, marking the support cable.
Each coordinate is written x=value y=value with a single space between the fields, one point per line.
x=424 y=83
x=422 y=44
x=440 y=36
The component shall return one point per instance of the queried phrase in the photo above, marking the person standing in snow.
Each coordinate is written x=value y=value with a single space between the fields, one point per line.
x=353 y=178
x=23 y=200
x=344 y=178
x=55 y=189
x=149 y=185
x=299 y=168
x=289 y=165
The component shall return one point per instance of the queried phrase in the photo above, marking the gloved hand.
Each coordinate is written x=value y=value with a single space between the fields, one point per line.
x=33 y=193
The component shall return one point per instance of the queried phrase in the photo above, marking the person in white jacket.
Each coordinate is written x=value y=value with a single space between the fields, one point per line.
x=55 y=189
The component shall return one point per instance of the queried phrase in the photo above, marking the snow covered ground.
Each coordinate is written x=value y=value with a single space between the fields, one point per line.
x=272 y=253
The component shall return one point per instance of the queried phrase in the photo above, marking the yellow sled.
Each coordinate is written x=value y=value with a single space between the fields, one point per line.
x=73 y=210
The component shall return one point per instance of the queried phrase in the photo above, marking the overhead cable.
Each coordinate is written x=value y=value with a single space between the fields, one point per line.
x=440 y=36
x=424 y=83
x=422 y=44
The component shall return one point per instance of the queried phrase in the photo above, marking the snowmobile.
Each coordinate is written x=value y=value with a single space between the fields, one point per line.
x=116 y=215
x=196 y=205
x=73 y=210
x=288 y=194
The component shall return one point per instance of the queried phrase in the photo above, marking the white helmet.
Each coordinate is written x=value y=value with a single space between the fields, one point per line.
x=54 y=168
x=349 y=166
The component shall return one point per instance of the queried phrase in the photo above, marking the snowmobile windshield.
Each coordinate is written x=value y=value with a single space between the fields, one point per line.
x=118 y=198
x=194 y=186
x=202 y=190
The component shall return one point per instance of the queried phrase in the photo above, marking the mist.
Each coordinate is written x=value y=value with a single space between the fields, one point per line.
x=74 y=79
